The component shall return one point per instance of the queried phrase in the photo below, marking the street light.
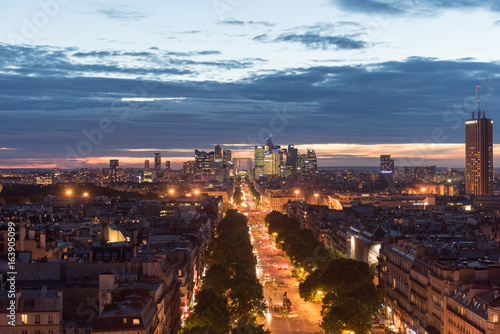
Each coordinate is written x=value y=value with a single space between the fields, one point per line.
x=171 y=191
x=68 y=192
x=316 y=196
x=297 y=194
x=196 y=192
x=85 y=194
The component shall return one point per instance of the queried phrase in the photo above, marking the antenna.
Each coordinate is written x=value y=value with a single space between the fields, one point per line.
x=478 y=99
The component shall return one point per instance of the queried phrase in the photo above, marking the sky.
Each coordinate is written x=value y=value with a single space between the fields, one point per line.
x=83 y=82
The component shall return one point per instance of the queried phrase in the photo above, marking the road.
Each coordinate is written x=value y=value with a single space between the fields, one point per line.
x=304 y=317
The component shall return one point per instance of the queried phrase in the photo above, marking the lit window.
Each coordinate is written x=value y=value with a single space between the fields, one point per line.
x=124 y=320
x=136 y=322
x=494 y=318
x=24 y=319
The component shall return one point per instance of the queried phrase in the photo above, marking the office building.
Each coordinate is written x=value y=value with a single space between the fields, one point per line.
x=311 y=157
x=292 y=156
x=479 y=155
x=157 y=161
x=167 y=165
x=226 y=156
x=419 y=173
x=146 y=164
x=259 y=161
x=113 y=168
x=386 y=168
x=218 y=154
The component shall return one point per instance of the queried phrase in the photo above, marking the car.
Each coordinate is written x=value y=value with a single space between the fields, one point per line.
x=275 y=265
x=280 y=268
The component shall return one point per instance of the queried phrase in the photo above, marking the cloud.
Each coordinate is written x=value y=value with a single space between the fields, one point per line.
x=123 y=13
x=342 y=35
x=49 y=99
x=316 y=41
x=424 y=7
x=243 y=23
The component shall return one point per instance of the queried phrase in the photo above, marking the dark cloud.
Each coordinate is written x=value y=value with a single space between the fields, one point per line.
x=316 y=41
x=426 y=7
x=386 y=102
x=342 y=35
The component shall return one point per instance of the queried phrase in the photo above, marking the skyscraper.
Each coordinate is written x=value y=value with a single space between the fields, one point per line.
x=167 y=165
x=226 y=156
x=292 y=156
x=157 y=161
x=259 y=161
x=311 y=156
x=113 y=168
x=479 y=155
x=386 y=168
x=146 y=164
x=218 y=154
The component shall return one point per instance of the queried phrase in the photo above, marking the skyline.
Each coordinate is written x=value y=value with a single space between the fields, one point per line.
x=351 y=79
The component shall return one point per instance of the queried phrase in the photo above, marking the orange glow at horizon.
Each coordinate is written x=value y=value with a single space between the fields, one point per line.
x=404 y=154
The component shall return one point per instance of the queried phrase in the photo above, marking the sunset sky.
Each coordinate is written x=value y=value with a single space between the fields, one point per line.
x=83 y=82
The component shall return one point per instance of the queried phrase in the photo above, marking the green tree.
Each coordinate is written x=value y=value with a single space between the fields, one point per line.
x=237 y=196
x=217 y=278
x=244 y=327
x=350 y=314
x=210 y=311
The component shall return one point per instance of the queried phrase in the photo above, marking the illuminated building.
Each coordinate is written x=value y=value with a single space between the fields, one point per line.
x=292 y=156
x=417 y=173
x=113 y=168
x=188 y=167
x=218 y=154
x=146 y=164
x=203 y=162
x=259 y=161
x=386 y=168
x=311 y=156
x=167 y=165
x=226 y=156
x=157 y=161
x=479 y=155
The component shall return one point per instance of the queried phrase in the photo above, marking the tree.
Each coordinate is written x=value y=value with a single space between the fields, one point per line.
x=244 y=327
x=349 y=314
x=237 y=196
x=211 y=311
x=217 y=278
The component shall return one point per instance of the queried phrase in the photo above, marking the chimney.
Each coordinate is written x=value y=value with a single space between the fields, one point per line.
x=31 y=234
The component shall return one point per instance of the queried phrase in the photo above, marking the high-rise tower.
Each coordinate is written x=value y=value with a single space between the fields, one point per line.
x=479 y=155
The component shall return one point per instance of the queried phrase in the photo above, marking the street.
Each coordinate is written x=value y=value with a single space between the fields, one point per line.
x=274 y=272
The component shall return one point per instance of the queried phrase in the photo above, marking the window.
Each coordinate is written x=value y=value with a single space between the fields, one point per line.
x=494 y=317
x=37 y=318
x=136 y=322
x=50 y=331
x=37 y=332
x=24 y=332
x=24 y=319
x=51 y=319
x=124 y=320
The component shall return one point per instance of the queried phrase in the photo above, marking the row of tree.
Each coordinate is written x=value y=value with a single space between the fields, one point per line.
x=344 y=286
x=231 y=299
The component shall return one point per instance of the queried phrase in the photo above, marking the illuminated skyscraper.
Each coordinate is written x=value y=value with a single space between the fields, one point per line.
x=113 y=168
x=218 y=153
x=479 y=155
x=157 y=161
x=292 y=156
x=203 y=162
x=259 y=161
x=167 y=165
x=311 y=156
x=386 y=168
x=146 y=164
x=226 y=156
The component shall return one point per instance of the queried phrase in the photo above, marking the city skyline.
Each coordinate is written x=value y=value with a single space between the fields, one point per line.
x=360 y=79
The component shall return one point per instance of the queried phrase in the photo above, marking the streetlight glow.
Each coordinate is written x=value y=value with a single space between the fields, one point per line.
x=69 y=192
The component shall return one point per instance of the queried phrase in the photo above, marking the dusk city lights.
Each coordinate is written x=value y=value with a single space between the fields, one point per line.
x=249 y=167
